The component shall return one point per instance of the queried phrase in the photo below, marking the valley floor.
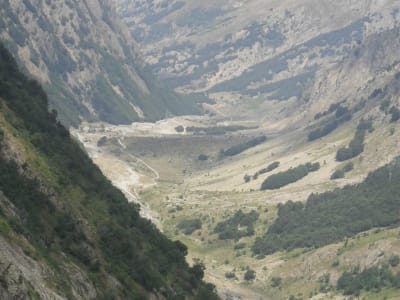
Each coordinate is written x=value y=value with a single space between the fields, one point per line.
x=160 y=169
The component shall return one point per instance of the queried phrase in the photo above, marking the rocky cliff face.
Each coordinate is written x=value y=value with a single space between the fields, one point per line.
x=265 y=50
x=85 y=58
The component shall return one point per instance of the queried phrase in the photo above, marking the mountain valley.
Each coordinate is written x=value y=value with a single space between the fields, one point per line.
x=256 y=145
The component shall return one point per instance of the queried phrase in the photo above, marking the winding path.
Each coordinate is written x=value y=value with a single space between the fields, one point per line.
x=154 y=171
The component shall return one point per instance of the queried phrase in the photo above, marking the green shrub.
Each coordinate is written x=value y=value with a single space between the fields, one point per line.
x=276 y=282
x=281 y=179
x=394 y=260
x=230 y=275
x=237 y=149
x=395 y=112
x=203 y=157
x=269 y=168
x=384 y=106
x=239 y=246
x=249 y=275
x=189 y=226
x=356 y=146
x=102 y=141
x=247 y=178
x=342 y=115
x=217 y=130
x=340 y=173
x=229 y=229
x=337 y=174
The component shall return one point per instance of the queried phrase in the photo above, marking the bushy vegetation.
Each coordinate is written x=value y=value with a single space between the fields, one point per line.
x=249 y=275
x=189 y=226
x=179 y=129
x=102 y=141
x=237 y=149
x=247 y=178
x=372 y=279
x=230 y=275
x=276 y=282
x=384 y=106
x=394 y=260
x=342 y=115
x=376 y=93
x=239 y=225
x=395 y=114
x=217 y=130
x=269 y=168
x=329 y=217
x=340 y=173
x=82 y=200
x=202 y=157
x=281 y=179
x=356 y=146
x=332 y=108
x=393 y=111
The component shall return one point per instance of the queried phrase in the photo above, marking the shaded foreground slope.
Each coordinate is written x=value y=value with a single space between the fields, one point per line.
x=64 y=220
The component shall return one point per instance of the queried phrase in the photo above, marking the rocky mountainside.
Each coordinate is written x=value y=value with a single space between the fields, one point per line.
x=85 y=58
x=253 y=51
x=65 y=231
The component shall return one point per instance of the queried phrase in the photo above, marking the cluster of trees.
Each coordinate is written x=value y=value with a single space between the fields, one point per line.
x=342 y=115
x=239 y=225
x=230 y=275
x=189 y=226
x=372 y=279
x=249 y=275
x=340 y=173
x=179 y=129
x=237 y=149
x=394 y=111
x=202 y=157
x=268 y=169
x=281 y=179
x=120 y=243
x=356 y=146
x=329 y=217
x=217 y=130
x=332 y=108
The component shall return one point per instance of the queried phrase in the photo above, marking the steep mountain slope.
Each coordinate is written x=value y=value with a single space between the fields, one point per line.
x=85 y=59
x=65 y=231
x=252 y=51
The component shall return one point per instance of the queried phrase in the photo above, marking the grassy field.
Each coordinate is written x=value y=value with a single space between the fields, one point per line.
x=212 y=191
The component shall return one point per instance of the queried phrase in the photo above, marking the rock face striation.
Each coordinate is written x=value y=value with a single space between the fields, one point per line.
x=86 y=60
x=270 y=50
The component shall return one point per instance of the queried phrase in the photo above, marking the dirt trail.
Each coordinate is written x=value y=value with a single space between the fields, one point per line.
x=121 y=173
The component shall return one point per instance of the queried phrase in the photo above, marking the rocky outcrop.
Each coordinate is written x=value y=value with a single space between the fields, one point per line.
x=255 y=49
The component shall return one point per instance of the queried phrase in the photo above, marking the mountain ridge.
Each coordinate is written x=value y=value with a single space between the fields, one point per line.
x=253 y=51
